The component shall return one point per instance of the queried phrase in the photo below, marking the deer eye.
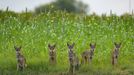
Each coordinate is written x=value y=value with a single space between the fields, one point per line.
x=17 y=50
x=71 y=46
x=118 y=46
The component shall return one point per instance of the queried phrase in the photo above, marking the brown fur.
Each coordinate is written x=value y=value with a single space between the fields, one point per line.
x=73 y=59
x=88 y=54
x=115 y=53
x=52 y=54
x=21 y=61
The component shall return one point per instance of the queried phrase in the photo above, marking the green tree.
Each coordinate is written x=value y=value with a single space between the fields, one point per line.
x=71 y=6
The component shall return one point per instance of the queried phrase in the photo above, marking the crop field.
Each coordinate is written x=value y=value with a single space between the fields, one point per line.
x=34 y=33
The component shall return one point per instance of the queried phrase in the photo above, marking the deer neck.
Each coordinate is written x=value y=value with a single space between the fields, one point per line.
x=18 y=54
x=116 y=49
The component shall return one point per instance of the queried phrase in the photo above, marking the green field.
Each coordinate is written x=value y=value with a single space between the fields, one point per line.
x=34 y=33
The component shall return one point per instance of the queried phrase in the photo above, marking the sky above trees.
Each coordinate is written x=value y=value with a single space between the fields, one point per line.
x=98 y=6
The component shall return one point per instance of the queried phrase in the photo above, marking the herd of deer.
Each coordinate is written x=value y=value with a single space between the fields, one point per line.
x=87 y=56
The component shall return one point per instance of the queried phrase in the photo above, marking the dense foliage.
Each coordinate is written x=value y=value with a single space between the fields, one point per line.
x=34 y=32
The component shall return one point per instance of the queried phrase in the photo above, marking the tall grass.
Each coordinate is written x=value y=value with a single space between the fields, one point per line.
x=34 y=33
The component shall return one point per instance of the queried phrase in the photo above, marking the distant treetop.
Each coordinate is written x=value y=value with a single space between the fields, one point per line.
x=70 y=6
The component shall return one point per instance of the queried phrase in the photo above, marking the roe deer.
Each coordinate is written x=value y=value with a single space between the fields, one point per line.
x=73 y=59
x=21 y=61
x=52 y=53
x=88 y=54
x=115 y=53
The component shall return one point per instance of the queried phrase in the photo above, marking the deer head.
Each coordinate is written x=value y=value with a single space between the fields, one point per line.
x=17 y=48
x=117 y=46
x=70 y=46
x=92 y=46
x=52 y=47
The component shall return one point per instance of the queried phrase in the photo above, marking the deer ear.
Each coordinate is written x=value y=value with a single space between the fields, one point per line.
x=94 y=44
x=20 y=47
x=15 y=47
x=54 y=45
x=115 y=43
x=90 y=44
x=67 y=44
x=73 y=44
x=120 y=43
x=49 y=45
